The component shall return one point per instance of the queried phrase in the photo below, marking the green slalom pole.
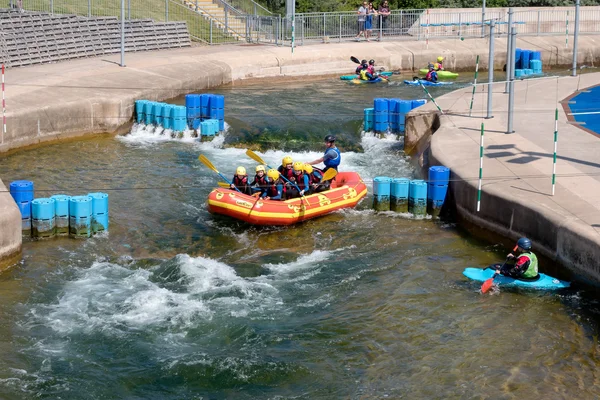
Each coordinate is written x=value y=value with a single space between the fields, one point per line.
x=474 y=85
x=480 y=168
x=555 y=145
x=432 y=99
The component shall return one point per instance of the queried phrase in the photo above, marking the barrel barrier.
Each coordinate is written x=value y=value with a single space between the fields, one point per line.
x=527 y=62
x=389 y=115
x=60 y=214
x=414 y=196
x=203 y=113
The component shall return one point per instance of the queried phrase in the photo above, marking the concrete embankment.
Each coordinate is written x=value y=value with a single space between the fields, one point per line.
x=94 y=96
x=517 y=197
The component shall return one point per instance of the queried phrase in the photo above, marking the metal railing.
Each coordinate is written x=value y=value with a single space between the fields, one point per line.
x=232 y=22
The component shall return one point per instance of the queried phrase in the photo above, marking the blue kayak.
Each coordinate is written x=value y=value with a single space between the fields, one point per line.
x=544 y=282
x=426 y=83
x=350 y=77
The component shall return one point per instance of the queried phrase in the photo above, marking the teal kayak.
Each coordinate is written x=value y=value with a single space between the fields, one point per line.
x=440 y=74
x=376 y=80
x=350 y=77
x=544 y=282
x=426 y=83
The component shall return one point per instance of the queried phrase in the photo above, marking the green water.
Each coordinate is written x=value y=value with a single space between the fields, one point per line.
x=175 y=303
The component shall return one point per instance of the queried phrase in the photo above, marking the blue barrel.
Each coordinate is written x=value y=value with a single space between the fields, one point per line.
x=380 y=105
x=399 y=195
x=168 y=116
x=192 y=106
x=518 y=73
x=21 y=191
x=196 y=124
x=216 y=125
x=149 y=112
x=535 y=56
x=417 y=103
x=179 y=121
x=61 y=212
x=206 y=128
x=528 y=71
x=140 y=110
x=382 y=186
x=517 y=58
x=404 y=108
x=525 y=57
x=42 y=218
x=25 y=209
x=417 y=197
x=438 y=175
x=536 y=66
x=220 y=114
x=217 y=101
x=204 y=100
x=159 y=113
x=80 y=216
x=99 y=212
x=368 y=119
x=393 y=114
x=221 y=123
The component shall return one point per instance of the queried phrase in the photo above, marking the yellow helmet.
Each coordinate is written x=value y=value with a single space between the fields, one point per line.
x=299 y=166
x=286 y=160
x=260 y=168
x=240 y=171
x=308 y=168
x=273 y=174
x=440 y=59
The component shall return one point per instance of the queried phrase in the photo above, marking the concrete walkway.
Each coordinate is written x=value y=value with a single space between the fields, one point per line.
x=517 y=195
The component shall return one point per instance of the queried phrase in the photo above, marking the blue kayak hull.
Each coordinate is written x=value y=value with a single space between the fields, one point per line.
x=350 y=77
x=426 y=83
x=544 y=283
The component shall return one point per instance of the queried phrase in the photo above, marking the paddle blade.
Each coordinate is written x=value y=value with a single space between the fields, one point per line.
x=354 y=59
x=224 y=185
x=255 y=157
x=329 y=175
x=487 y=285
x=207 y=162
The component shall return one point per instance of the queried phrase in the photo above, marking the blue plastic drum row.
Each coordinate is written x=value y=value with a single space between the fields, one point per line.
x=389 y=114
x=523 y=59
x=200 y=107
x=168 y=116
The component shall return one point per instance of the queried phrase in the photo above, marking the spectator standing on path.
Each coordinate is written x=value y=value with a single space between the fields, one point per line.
x=369 y=21
x=362 y=16
x=384 y=12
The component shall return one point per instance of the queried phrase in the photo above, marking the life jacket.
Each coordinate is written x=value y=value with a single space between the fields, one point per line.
x=287 y=173
x=429 y=76
x=358 y=69
x=438 y=66
x=315 y=177
x=333 y=163
x=364 y=74
x=240 y=182
x=371 y=69
x=532 y=270
x=272 y=188
x=299 y=181
x=260 y=182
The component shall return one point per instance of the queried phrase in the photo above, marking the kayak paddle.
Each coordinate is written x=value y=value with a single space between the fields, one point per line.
x=329 y=175
x=354 y=59
x=487 y=285
x=210 y=165
x=224 y=185
x=259 y=160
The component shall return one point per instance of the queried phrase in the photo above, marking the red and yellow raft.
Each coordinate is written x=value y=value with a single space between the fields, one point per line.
x=346 y=191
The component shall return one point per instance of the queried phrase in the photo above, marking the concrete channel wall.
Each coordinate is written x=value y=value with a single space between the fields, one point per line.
x=96 y=96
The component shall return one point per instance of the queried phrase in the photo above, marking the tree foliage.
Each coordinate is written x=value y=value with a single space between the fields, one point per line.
x=304 y=6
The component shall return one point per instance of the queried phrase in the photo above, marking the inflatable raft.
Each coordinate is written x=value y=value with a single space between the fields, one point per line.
x=544 y=282
x=440 y=74
x=354 y=76
x=346 y=191
x=426 y=83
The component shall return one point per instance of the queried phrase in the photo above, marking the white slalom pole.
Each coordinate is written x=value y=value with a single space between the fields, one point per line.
x=567 y=31
x=474 y=85
x=432 y=99
x=555 y=145
x=293 y=32
x=480 y=168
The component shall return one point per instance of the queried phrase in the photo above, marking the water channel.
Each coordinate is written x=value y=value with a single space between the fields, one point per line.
x=175 y=303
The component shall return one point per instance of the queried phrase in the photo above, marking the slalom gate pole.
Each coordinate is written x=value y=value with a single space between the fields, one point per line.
x=474 y=85
x=480 y=168
x=3 y=108
x=555 y=145
x=432 y=99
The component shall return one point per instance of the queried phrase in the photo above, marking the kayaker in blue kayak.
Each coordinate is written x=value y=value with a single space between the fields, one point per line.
x=360 y=67
x=431 y=75
x=523 y=264
x=365 y=74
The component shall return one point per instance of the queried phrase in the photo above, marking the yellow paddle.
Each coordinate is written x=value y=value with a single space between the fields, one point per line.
x=329 y=175
x=210 y=165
